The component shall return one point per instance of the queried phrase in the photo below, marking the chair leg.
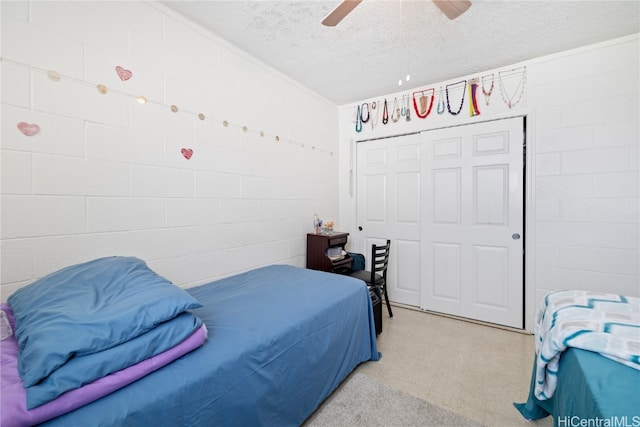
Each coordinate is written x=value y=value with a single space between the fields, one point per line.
x=386 y=298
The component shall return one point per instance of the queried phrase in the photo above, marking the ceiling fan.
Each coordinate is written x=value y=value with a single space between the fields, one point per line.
x=451 y=8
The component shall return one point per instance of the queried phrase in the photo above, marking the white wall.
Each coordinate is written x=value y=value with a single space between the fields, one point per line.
x=105 y=175
x=586 y=138
x=583 y=213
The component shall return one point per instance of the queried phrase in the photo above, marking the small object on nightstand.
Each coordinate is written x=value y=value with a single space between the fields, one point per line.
x=316 y=223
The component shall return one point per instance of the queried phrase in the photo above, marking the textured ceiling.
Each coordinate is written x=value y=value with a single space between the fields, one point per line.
x=381 y=41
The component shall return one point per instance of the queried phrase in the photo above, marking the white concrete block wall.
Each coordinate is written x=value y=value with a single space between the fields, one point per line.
x=583 y=120
x=28 y=216
x=587 y=141
x=105 y=174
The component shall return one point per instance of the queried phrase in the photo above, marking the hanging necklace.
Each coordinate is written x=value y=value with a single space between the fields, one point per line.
x=441 y=107
x=487 y=93
x=423 y=111
x=408 y=109
x=362 y=113
x=385 y=113
x=403 y=112
x=395 y=116
x=473 y=104
x=464 y=91
x=509 y=101
x=358 y=121
x=375 y=112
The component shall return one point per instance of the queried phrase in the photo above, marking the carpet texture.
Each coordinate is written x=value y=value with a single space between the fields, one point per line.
x=364 y=401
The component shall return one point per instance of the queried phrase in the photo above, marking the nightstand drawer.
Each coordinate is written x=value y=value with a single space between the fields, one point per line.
x=338 y=241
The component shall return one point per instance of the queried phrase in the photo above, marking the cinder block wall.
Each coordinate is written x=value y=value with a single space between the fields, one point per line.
x=105 y=175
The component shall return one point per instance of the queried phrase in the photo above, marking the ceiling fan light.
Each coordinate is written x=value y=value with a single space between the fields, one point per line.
x=408 y=78
x=400 y=82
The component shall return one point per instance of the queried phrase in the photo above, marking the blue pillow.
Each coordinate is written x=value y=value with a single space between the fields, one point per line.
x=87 y=308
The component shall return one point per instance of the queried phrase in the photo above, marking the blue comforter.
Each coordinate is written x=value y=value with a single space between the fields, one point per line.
x=281 y=339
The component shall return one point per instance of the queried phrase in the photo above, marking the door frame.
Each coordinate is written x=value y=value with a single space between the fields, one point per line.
x=531 y=296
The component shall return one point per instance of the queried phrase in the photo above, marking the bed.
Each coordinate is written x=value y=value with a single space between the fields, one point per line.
x=587 y=365
x=279 y=340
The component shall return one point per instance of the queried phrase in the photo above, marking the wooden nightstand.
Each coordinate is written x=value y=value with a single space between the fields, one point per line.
x=321 y=249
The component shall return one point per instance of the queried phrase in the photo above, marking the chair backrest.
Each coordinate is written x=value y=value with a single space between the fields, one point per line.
x=379 y=260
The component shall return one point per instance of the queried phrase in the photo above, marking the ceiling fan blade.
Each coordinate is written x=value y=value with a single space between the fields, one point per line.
x=340 y=12
x=452 y=8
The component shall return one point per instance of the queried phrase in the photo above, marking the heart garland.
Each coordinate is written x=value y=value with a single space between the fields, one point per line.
x=31 y=129
x=124 y=74
x=187 y=153
x=28 y=129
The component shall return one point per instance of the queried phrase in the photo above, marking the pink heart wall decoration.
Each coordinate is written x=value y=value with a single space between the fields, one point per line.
x=187 y=153
x=123 y=73
x=28 y=129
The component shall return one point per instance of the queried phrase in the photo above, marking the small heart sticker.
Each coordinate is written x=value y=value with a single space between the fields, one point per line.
x=28 y=129
x=187 y=153
x=123 y=73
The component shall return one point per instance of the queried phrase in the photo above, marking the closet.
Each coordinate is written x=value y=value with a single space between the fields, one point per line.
x=452 y=202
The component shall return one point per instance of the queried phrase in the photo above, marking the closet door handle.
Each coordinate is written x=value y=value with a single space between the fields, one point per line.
x=515 y=236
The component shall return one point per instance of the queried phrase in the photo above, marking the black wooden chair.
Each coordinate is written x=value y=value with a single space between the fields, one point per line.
x=377 y=276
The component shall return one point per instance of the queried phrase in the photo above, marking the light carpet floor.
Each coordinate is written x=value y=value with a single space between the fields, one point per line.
x=363 y=401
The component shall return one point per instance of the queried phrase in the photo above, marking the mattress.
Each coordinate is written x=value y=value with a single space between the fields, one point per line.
x=280 y=340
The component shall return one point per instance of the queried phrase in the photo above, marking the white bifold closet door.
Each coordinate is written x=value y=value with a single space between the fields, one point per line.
x=388 y=207
x=472 y=221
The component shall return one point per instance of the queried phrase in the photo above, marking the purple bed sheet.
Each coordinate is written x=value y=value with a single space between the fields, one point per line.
x=13 y=400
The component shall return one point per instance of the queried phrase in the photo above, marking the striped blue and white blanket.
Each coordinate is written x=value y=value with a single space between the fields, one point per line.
x=603 y=323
